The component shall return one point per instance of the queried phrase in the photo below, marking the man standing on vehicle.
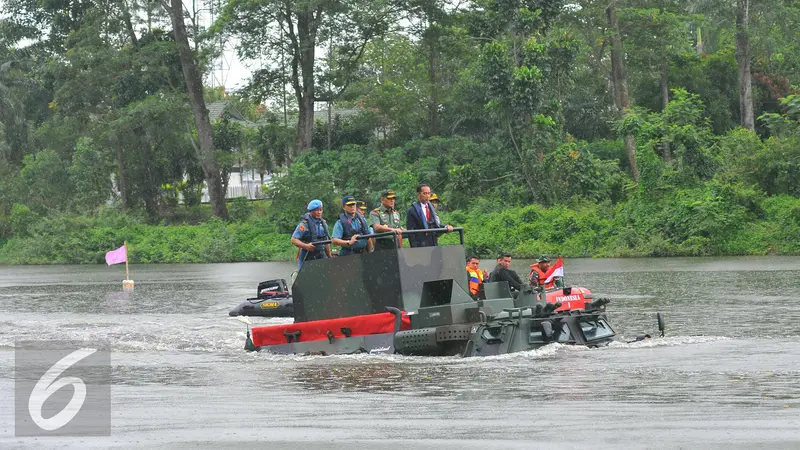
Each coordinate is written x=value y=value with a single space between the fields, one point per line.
x=434 y=201
x=349 y=227
x=422 y=216
x=385 y=218
x=312 y=228
x=362 y=207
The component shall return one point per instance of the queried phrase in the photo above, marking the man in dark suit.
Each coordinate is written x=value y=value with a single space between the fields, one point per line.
x=422 y=216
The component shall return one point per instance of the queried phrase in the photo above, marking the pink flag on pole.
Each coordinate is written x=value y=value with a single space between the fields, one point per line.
x=117 y=256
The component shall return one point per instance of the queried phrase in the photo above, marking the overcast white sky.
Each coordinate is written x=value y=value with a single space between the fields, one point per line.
x=234 y=73
x=229 y=70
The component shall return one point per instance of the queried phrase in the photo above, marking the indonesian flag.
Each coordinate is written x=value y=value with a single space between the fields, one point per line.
x=556 y=270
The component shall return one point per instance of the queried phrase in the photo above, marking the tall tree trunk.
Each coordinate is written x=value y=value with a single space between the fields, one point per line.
x=303 y=42
x=122 y=180
x=330 y=93
x=665 y=95
x=664 y=78
x=526 y=172
x=305 y=122
x=619 y=78
x=699 y=40
x=150 y=194
x=194 y=86
x=126 y=18
x=330 y=123
x=433 y=81
x=747 y=118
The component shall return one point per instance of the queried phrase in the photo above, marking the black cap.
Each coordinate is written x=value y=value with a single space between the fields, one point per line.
x=388 y=193
x=348 y=200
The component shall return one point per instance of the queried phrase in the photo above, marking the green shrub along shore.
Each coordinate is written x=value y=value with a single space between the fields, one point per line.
x=690 y=224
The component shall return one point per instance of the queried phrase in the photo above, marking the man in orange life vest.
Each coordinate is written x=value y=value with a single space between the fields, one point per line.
x=475 y=276
x=539 y=273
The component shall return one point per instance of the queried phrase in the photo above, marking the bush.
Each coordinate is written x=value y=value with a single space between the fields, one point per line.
x=22 y=219
x=80 y=240
x=240 y=209
x=782 y=224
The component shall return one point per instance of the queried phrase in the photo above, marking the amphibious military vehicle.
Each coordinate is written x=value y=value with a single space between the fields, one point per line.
x=415 y=301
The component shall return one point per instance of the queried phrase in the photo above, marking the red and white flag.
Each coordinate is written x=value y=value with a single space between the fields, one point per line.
x=556 y=270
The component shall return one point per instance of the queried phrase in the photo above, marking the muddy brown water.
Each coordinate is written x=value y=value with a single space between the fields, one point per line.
x=727 y=374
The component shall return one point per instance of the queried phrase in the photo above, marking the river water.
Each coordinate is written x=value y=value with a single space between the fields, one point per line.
x=726 y=375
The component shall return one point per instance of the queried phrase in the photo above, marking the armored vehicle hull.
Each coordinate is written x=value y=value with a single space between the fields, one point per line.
x=415 y=301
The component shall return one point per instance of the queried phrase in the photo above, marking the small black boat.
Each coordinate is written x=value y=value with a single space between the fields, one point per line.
x=273 y=300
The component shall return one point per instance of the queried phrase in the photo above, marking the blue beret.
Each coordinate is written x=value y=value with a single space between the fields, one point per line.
x=314 y=204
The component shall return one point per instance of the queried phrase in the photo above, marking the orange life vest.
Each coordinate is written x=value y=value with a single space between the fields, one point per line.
x=537 y=276
x=475 y=278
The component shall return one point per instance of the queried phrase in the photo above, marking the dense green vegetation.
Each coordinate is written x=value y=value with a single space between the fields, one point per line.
x=622 y=128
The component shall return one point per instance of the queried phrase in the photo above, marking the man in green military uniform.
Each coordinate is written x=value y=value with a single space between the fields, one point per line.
x=386 y=218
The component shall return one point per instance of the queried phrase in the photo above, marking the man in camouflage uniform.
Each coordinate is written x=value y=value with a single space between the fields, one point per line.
x=386 y=218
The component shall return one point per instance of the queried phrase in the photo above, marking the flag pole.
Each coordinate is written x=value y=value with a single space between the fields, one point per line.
x=127 y=283
x=125 y=244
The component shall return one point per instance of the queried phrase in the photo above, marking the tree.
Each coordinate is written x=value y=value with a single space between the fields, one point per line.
x=619 y=77
x=743 y=57
x=194 y=86
x=89 y=176
x=20 y=94
x=512 y=79
x=296 y=28
x=47 y=184
x=151 y=146
x=229 y=137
